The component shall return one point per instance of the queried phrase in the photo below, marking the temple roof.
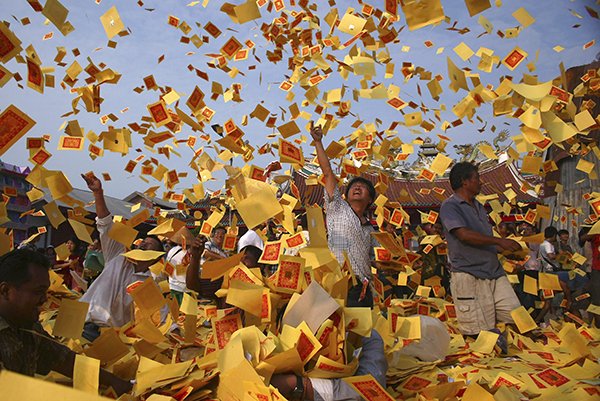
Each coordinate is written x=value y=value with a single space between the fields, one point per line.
x=412 y=192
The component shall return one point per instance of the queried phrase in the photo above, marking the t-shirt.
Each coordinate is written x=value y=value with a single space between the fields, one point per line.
x=110 y=304
x=347 y=233
x=30 y=351
x=175 y=257
x=479 y=261
x=548 y=265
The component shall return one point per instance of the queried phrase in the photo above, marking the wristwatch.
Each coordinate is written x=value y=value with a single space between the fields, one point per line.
x=298 y=391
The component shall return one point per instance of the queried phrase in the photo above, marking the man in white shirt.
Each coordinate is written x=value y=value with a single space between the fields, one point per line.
x=110 y=304
x=175 y=257
x=547 y=251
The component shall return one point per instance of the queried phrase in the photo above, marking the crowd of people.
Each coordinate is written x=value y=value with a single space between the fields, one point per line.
x=467 y=264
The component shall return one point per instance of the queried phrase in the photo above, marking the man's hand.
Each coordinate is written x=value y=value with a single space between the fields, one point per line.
x=285 y=383
x=95 y=186
x=92 y=182
x=197 y=246
x=509 y=245
x=316 y=132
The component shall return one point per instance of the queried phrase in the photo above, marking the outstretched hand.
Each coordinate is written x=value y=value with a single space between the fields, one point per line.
x=316 y=132
x=93 y=182
x=509 y=245
x=198 y=246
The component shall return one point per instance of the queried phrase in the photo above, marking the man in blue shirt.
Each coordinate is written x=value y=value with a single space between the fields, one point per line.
x=481 y=291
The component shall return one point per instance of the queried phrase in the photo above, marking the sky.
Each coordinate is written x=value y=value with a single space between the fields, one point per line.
x=557 y=23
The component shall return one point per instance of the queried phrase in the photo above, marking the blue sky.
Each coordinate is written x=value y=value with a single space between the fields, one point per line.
x=136 y=56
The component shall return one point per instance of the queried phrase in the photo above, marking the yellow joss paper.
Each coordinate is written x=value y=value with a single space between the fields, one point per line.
x=475 y=392
x=81 y=231
x=148 y=297
x=524 y=18
x=53 y=214
x=111 y=21
x=351 y=24
x=440 y=164
x=523 y=320
x=122 y=233
x=486 y=340
x=70 y=319
x=368 y=387
x=86 y=374
x=549 y=281
x=24 y=388
x=530 y=285
x=142 y=255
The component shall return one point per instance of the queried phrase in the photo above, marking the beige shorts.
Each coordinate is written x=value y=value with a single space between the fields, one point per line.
x=481 y=303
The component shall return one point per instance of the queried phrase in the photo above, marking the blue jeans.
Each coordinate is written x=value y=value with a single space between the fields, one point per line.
x=354 y=295
x=91 y=331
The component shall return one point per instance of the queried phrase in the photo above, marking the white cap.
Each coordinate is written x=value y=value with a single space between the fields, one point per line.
x=250 y=238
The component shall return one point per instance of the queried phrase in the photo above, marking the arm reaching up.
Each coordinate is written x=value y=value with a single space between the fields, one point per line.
x=95 y=186
x=330 y=181
x=192 y=275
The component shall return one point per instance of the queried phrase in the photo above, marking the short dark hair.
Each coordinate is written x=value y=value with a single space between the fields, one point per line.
x=550 y=231
x=78 y=248
x=581 y=233
x=563 y=231
x=362 y=180
x=160 y=243
x=214 y=231
x=14 y=265
x=460 y=172
x=253 y=251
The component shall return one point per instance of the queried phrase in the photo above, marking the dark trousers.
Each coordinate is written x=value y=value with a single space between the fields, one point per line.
x=354 y=295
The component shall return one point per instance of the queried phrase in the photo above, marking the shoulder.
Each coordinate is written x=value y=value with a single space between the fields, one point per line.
x=450 y=204
x=336 y=196
x=450 y=201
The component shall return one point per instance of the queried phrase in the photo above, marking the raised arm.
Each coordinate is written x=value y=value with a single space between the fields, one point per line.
x=192 y=274
x=110 y=247
x=330 y=180
x=95 y=186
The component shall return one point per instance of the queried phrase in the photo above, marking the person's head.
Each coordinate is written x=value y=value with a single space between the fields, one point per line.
x=505 y=229
x=584 y=231
x=464 y=176
x=24 y=281
x=151 y=243
x=527 y=229
x=563 y=236
x=73 y=245
x=218 y=236
x=251 y=256
x=437 y=228
x=428 y=228
x=51 y=252
x=360 y=189
x=95 y=245
x=550 y=233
